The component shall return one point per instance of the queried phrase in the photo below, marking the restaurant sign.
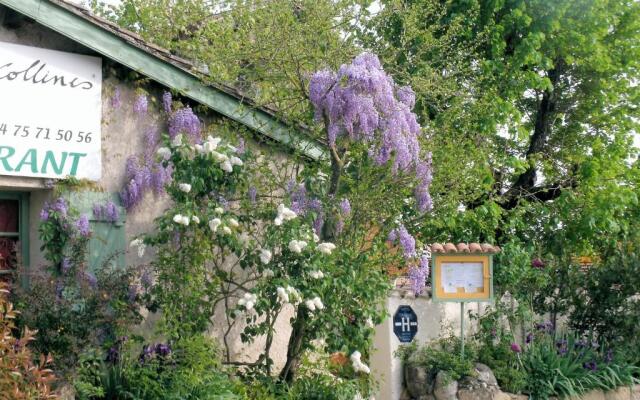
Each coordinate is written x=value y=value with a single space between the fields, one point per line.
x=50 y=113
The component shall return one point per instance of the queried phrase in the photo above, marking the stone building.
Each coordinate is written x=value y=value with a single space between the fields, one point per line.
x=69 y=84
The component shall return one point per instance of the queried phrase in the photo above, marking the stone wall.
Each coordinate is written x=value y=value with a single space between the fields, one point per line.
x=122 y=137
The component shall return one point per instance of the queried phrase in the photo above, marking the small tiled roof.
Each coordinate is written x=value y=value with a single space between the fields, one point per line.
x=464 y=248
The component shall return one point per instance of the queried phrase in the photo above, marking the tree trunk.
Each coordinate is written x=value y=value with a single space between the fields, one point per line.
x=294 y=350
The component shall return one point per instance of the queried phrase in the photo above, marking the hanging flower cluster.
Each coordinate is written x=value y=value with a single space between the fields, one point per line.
x=418 y=275
x=143 y=175
x=106 y=212
x=363 y=103
x=407 y=242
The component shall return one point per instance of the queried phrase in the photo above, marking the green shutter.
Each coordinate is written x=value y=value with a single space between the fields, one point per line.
x=108 y=240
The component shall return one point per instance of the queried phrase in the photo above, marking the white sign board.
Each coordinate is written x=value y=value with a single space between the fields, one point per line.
x=50 y=113
x=468 y=275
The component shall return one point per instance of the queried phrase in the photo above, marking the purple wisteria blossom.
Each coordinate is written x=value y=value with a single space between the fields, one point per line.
x=166 y=102
x=141 y=178
x=44 y=213
x=116 y=100
x=345 y=207
x=362 y=103
x=66 y=265
x=111 y=213
x=60 y=207
x=141 y=105
x=241 y=148
x=407 y=242
x=418 y=275
x=91 y=279
x=82 y=224
x=185 y=121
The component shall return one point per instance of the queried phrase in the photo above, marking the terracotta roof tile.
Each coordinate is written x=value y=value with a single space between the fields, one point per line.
x=464 y=248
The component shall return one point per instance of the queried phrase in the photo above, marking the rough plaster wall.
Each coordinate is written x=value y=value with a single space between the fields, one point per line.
x=122 y=137
x=434 y=320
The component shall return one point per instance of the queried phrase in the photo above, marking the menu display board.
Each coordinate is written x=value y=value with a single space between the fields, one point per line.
x=462 y=278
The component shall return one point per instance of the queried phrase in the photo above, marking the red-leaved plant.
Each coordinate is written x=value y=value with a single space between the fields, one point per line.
x=20 y=377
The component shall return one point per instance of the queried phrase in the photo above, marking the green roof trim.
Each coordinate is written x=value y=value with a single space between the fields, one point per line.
x=67 y=22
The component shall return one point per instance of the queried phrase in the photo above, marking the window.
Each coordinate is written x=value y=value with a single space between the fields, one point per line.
x=14 y=233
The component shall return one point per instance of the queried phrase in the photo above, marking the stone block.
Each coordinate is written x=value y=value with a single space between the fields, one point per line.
x=518 y=396
x=418 y=381
x=621 y=393
x=592 y=395
x=485 y=374
x=445 y=388
x=635 y=392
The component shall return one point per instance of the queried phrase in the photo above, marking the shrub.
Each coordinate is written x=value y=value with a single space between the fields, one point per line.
x=20 y=378
x=442 y=355
x=73 y=312
x=187 y=369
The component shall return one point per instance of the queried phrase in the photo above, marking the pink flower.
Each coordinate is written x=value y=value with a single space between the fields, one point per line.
x=515 y=347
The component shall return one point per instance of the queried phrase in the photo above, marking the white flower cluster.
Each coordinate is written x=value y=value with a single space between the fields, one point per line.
x=314 y=304
x=326 y=248
x=210 y=146
x=216 y=223
x=140 y=245
x=357 y=364
x=288 y=294
x=164 y=152
x=297 y=246
x=181 y=219
x=248 y=301
x=265 y=256
x=316 y=274
x=284 y=214
x=185 y=187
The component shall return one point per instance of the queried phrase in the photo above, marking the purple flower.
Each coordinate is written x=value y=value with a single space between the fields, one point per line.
x=147 y=352
x=66 y=265
x=60 y=207
x=318 y=223
x=82 y=224
x=49 y=183
x=591 y=366
x=98 y=211
x=407 y=241
x=252 y=193
x=339 y=226
x=546 y=326
x=608 y=358
x=562 y=346
x=362 y=103
x=111 y=213
x=418 y=275
x=132 y=294
x=146 y=278
x=116 y=102
x=151 y=138
x=162 y=350
x=537 y=263
x=91 y=279
x=240 y=149
x=166 y=102
x=185 y=121
x=141 y=104
x=515 y=347
x=345 y=207
x=529 y=338
x=44 y=213
x=113 y=355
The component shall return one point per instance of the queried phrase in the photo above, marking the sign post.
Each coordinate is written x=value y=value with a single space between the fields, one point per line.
x=462 y=278
x=405 y=324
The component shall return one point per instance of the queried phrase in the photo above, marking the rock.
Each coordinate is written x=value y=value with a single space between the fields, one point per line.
x=517 y=396
x=635 y=392
x=592 y=395
x=483 y=393
x=621 y=393
x=445 y=388
x=427 y=397
x=417 y=380
x=485 y=374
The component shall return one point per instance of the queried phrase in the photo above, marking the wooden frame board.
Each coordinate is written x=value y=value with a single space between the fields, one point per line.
x=462 y=294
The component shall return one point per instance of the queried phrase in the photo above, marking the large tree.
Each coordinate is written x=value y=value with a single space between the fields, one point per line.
x=519 y=95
